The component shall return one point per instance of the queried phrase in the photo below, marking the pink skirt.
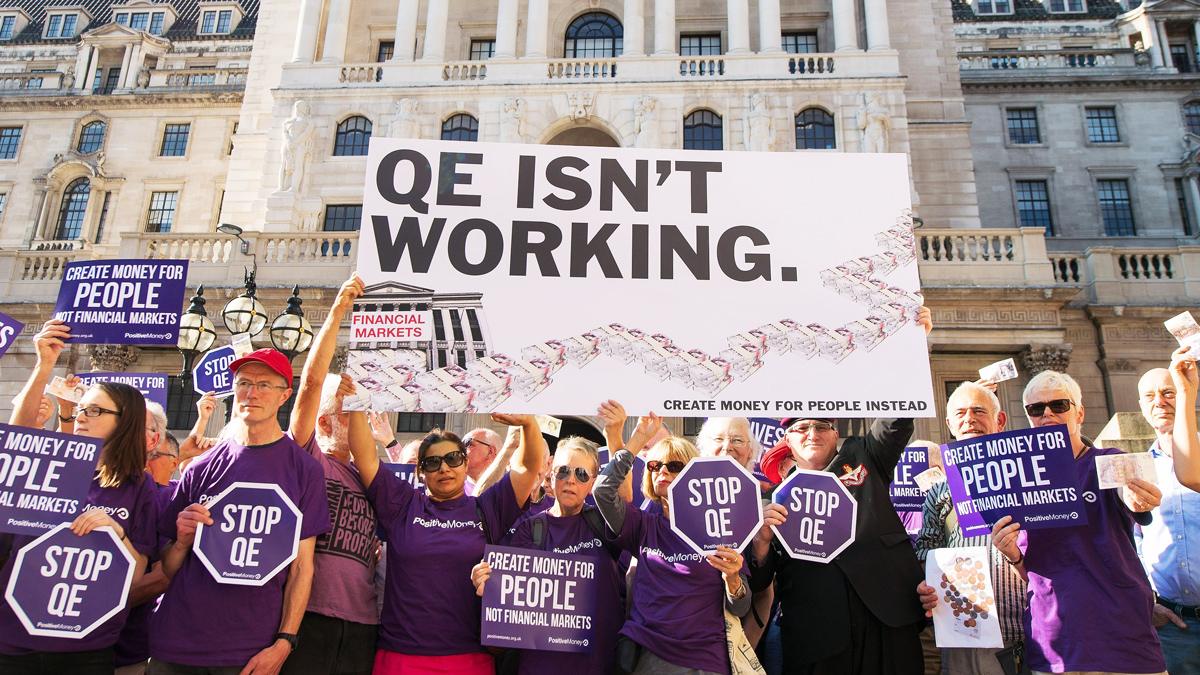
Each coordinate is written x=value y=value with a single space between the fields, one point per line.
x=395 y=663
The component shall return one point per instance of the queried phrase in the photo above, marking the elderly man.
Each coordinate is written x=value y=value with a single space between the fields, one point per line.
x=161 y=459
x=972 y=411
x=729 y=437
x=1170 y=544
x=1089 y=599
x=483 y=445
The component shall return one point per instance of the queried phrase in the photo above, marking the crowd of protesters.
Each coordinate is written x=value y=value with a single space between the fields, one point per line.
x=1117 y=595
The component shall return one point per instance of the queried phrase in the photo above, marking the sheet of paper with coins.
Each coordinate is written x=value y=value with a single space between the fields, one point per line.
x=965 y=615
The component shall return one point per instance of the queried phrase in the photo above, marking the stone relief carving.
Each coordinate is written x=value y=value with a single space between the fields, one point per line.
x=405 y=122
x=647 y=130
x=112 y=358
x=297 y=145
x=757 y=133
x=581 y=103
x=512 y=120
x=873 y=124
x=1035 y=359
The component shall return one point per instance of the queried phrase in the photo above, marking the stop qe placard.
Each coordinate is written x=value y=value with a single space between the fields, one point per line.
x=714 y=502
x=821 y=515
x=254 y=535
x=67 y=586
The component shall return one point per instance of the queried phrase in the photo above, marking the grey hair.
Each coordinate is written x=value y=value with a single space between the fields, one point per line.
x=976 y=388
x=329 y=402
x=706 y=432
x=158 y=415
x=1052 y=379
x=581 y=444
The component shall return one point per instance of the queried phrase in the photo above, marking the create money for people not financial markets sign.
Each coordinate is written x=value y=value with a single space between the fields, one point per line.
x=131 y=302
x=554 y=272
x=539 y=600
x=44 y=477
x=906 y=495
x=152 y=385
x=254 y=535
x=714 y=502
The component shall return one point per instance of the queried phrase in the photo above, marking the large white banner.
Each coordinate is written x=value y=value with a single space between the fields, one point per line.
x=695 y=283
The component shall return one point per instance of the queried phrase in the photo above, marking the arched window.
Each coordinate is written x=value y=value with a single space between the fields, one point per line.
x=73 y=209
x=353 y=137
x=594 y=35
x=1191 y=116
x=91 y=137
x=814 y=130
x=702 y=131
x=460 y=127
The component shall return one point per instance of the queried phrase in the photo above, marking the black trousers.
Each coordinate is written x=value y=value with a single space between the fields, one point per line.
x=875 y=648
x=330 y=646
x=95 y=662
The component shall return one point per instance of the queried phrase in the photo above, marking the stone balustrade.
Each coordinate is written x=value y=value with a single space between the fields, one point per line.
x=1073 y=61
x=983 y=257
x=192 y=78
x=25 y=83
x=1124 y=276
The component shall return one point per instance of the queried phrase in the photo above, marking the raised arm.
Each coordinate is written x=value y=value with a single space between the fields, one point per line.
x=613 y=415
x=362 y=448
x=531 y=454
x=312 y=378
x=1185 y=446
x=496 y=470
x=49 y=343
x=196 y=442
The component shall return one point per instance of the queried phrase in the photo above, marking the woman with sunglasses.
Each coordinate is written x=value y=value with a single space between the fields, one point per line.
x=676 y=621
x=570 y=526
x=430 y=620
x=121 y=497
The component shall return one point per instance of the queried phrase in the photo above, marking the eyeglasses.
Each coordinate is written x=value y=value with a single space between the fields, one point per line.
x=453 y=459
x=734 y=441
x=810 y=427
x=672 y=467
x=96 y=411
x=581 y=474
x=485 y=444
x=261 y=387
x=156 y=455
x=1058 y=406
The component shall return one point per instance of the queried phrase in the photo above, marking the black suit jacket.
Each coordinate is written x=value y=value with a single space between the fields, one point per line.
x=880 y=565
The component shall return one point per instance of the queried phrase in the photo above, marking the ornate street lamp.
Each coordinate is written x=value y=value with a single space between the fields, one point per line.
x=290 y=331
x=196 y=333
x=244 y=314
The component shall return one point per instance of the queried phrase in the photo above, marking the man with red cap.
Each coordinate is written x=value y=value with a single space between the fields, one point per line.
x=203 y=626
x=855 y=614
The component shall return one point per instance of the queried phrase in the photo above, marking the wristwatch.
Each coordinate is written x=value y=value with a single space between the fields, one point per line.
x=291 y=638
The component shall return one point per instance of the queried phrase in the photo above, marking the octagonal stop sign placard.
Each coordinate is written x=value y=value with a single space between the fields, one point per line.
x=67 y=586
x=255 y=534
x=821 y=515
x=714 y=502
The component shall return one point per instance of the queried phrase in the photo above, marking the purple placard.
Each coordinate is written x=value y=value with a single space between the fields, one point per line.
x=254 y=535
x=152 y=385
x=405 y=472
x=822 y=515
x=906 y=495
x=767 y=430
x=714 y=502
x=127 y=302
x=212 y=372
x=539 y=600
x=10 y=328
x=1028 y=474
x=44 y=477
x=66 y=586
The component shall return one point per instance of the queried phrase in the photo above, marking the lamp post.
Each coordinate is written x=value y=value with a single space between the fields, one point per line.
x=196 y=333
x=290 y=331
x=244 y=314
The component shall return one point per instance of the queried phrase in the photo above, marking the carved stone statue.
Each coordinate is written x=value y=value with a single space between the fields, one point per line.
x=757 y=133
x=143 y=77
x=581 y=103
x=873 y=124
x=405 y=122
x=297 y=143
x=512 y=121
x=646 y=126
x=68 y=78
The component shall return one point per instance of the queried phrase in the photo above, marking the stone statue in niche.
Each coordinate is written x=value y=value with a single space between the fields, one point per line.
x=68 y=78
x=297 y=144
x=646 y=127
x=405 y=122
x=757 y=133
x=873 y=124
x=512 y=121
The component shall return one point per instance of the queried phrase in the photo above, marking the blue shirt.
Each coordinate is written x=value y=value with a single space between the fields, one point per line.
x=1171 y=543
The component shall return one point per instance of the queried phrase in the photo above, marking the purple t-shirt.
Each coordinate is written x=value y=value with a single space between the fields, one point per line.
x=429 y=605
x=344 y=566
x=571 y=535
x=133 y=507
x=1089 y=599
x=134 y=644
x=199 y=621
x=678 y=599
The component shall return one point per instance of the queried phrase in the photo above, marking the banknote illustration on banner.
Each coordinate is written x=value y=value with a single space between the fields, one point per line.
x=525 y=277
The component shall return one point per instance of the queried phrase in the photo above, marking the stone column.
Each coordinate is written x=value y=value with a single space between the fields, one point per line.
x=90 y=76
x=664 y=27
x=1164 y=44
x=770 y=35
x=737 y=15
x=635 y=29
x=125 y=66
x=536 y=19
x=1196 y=46
x=875 y=13
x=82 y=60
x=1191 y=186
x=405 y=47
x=336 y=27
x=436 y=20
x=305 y=46
x=1150 y=43
x=132 y=67
x=39 y=230
x=845 y=28
x=506 y=29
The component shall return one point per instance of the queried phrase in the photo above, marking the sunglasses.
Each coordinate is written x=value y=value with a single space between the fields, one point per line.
x=452 y=459
x=673 y=467
x=581 y=474
x=1058 y=406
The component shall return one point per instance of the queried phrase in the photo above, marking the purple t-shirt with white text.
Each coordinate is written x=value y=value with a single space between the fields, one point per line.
x=133 y=507
x=134 y=644
x=199 y=621
x=429 y=604
x=1089 y=599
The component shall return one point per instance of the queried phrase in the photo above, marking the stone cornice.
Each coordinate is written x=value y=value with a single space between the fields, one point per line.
x=1138 y=81
x=183 y=99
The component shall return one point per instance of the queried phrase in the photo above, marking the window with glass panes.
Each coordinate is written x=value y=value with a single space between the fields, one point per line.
x=1102 y=125
x=156 y=23
x=460 y=127
x=68 y=25
x=53 y=25
x=3 y=202
x=482 y=50
x=73 y=209
x=1181 y=57
x=181 y=402
x=1191 y=116
x=10 y=141
x=1181 y=196
x=175 y=140
x=208 y=22
x=1033 y=204
x=139 y=20
x=993 y=7
x=702 y=131
x=162 y=211
x=91 y=137
x=1116 y=208
x=594 y=35
x=800 y=43
x=103 y=217
x=1023 y=126
x=419 y=423
x=700 y=45
x=353 y=137
x=387 y=49
x=342 y=218
x=814 y=130
x=7 y=26
x=224 y=21
x=1073 y=6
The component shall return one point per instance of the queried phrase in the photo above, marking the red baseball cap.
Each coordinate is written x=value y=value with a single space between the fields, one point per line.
x=271 y=358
